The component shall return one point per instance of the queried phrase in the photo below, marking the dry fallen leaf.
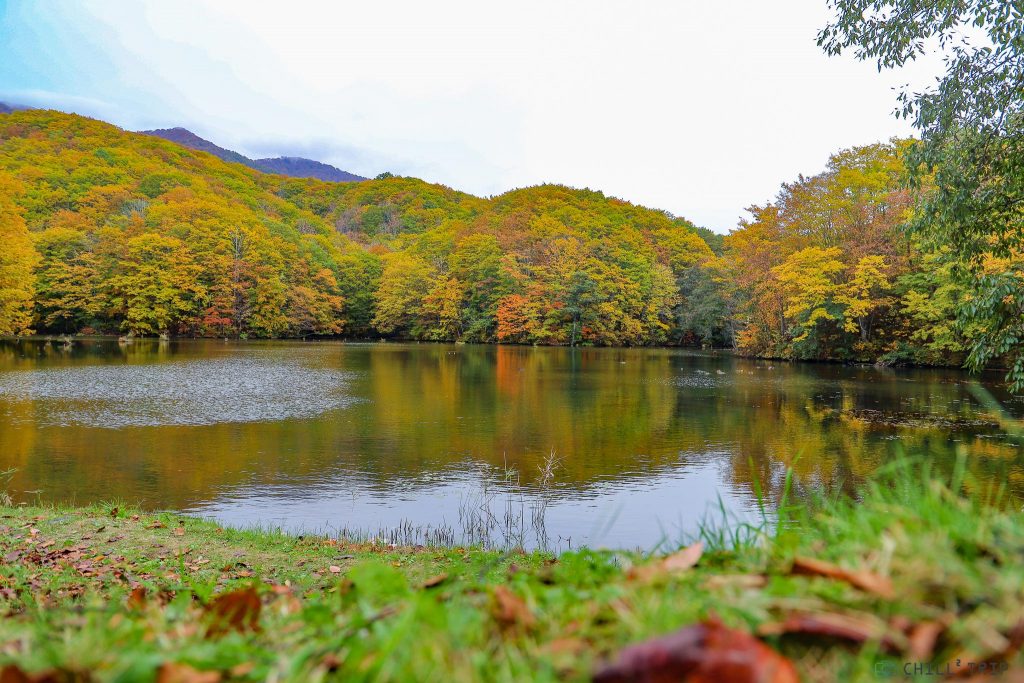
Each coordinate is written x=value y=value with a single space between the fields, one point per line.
x=113 y=512
x=565 y=646
x=179 y=531
x=736 y=581
x=12 y=673
x=172 y=672
x=701 y=653
x=285 y=602
x=334 y=569
x=435 y=581
x=137 y=598
x=242 y=670
x=864 y=580
x=156 y=524
x=331 y=662
x=510 y=610
x=922 y=640
x=676 y=562
x=1002 y=646
x=238 y=610
x=685 y=558
x=858 y=628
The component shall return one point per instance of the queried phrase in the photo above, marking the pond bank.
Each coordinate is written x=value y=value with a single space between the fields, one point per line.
x=910 y=575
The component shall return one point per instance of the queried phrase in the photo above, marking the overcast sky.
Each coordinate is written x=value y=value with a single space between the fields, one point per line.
x=701 y=108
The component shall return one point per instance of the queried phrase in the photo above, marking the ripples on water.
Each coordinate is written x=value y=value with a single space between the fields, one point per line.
x=198 y=392
x=376 y=436
x=701 y=379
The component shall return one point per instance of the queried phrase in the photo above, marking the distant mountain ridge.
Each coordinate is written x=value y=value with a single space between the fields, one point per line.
x=299 y=167
x=296 y=167
x=187 y=138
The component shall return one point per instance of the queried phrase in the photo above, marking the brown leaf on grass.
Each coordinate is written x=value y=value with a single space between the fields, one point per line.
x=859 y=628
x=676 y=562
x=156 y=524
x=685 y=558
x=242 y=670
x=114 y=511
x=334 y=569
x=922 y=639
x=135 y=518
x=510 y=610
x=864 y=580
x=137 y=598
x=331 y=662
x=1008 y=645
x=285 y=601
x=700 y=653
x=435 y=581
x=565 y=646
x=179 y=531
x=901 y=622
x=172 y=672
x=736 y=581
x=238 y=611
x=12 y=673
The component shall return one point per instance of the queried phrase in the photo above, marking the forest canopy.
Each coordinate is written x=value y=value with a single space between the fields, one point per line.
x=114 y=232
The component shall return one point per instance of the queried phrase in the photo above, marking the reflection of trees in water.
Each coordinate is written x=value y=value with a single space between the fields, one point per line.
x=609 y=414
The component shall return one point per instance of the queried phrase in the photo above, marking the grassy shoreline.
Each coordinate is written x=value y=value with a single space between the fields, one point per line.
x=916 y=572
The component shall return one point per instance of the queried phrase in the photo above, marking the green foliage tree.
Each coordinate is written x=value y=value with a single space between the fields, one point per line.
x=972 y=145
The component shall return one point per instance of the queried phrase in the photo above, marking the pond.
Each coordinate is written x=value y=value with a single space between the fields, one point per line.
x=420 y=442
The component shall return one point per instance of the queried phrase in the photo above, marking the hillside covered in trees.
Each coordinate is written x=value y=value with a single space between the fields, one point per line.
x=114 y=232
x=828 y=270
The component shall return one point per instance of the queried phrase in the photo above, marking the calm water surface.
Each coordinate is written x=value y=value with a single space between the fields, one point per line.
x=328 y=436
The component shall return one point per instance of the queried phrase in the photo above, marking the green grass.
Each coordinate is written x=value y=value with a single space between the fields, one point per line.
x=955 y=556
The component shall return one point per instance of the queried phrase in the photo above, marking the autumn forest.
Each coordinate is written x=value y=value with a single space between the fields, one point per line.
x=112 y=232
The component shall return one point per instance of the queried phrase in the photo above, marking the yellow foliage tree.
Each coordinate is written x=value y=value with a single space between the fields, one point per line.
x=865 y=295
x=808 y=282
x=17 y=261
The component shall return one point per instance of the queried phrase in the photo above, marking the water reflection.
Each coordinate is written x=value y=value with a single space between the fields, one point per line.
x=329 y=435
